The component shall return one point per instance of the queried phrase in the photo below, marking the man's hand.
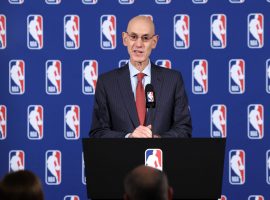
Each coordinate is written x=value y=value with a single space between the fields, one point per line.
x=142 y=132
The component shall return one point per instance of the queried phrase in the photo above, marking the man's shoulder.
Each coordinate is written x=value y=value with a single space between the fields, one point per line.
x=112 y=74
x=165 y=71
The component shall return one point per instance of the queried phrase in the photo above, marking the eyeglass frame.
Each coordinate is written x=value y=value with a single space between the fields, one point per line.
x=142 y=37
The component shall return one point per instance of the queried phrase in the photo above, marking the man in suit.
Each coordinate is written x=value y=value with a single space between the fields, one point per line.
x=120 y=108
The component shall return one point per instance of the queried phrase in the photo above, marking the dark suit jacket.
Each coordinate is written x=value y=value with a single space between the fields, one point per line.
x=115 y=113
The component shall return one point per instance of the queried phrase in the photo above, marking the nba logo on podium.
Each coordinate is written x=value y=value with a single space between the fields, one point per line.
x=72 y=122
x=223 y=197
x=181 y=32
x=3 y=122
x=200 y=76
x=71 y=32
x=35 y=122
x=16 y=160
x=3 y=32
x=53 y=77
x=35 y=32
x=255 y=197
x=108 y=32
x=237 y=76
x=237 y=167
x=218 y=31
x=89 y=76
x=154 y=158
x=267 y=77
x=164 y=63
x=218 y=121
x=53 y=167
x=255 y=30
x=255 y=121
x=16 y=77
x=71 y=197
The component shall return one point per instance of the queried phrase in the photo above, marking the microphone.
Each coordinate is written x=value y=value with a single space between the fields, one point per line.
x=150 y=99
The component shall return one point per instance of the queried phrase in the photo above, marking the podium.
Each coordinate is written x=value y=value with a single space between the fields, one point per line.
x=194 y=166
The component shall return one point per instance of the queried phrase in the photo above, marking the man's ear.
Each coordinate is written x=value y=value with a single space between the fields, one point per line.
x=155 y=41
x=125 y=38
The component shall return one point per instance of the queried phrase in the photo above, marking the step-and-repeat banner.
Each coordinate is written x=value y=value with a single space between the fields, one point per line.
x=52 y=52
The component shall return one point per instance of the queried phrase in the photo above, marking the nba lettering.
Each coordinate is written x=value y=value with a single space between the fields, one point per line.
x=89 y=76
x=53 y=1
x=255 y=197
x=218 y=31
x=237 y=76
x=35 y=32
x=255 y=121
x=200 y=76
x=3 y=32
x=16 y=77
x=218 y=121
x=108 y=32
x=16 y=160
x=166 y=63
x=267 y=76
x=71 y=32
x=154 y=158
x=237 y=167
x=267 y=167
x=72 y=122
x=255 y=30
x=122 y=63
x=53 y=168
x=35 y=122
x=3 y=122
x=53 y=77
x=181 y=31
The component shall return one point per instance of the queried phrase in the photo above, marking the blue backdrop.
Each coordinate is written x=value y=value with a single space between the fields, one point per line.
x=48 y=48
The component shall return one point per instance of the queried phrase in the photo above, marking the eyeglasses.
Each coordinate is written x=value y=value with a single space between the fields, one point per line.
x=135 y=37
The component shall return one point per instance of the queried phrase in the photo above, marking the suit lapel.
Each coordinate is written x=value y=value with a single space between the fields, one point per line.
x=127 y=94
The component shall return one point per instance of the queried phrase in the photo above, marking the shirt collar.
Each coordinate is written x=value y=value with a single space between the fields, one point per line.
x=133 y=71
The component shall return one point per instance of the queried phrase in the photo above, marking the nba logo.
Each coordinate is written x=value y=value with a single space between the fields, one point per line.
x=122 y=63
x=53 y=1
x=181 y=31
x=89 y=1
x=71 y=197
x=108 y=32
x=71 y=32
x=16 y=160
x=53 y=167
x=199 y=1
x=237 y=76
x=3 y=122
x=237 y=167
x=35 y=122
x=255 y=30
x=255 y=121
x=89 y=76
x=268 y=76
x=16 y=1
x=223 y=197
x=83 y=171
x=218 y=31
x=218 y=121
x=268 y=167
x=126 y=1
x=53 y=77
x=164 y=63
x=72 y=122
x=200 y=76
x=16 y=77
x=154 y=158
x=163 y=1
x=3 y=32
x=35 y=32
x=255 y=197
x=237 y=1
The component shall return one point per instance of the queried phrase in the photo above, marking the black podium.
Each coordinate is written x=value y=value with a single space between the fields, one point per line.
x=194 y=166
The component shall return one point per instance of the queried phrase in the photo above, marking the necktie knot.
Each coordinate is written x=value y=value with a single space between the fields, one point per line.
x=140 y=77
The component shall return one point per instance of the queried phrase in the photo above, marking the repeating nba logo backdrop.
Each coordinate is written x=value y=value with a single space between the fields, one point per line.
x=199 y=1
x=35 y=122
x=255 y=30
x=53 y=168
x=71 y=197
x=16 y=1
x=200 y=76
x=16 y=77
x=255 y=197
x=237 y=167
x=71 y=32
x=3 y=122
x=237 y=76
x=223 y=197
x=3 y=32
x=268 y=167
x=154 y=158
x=126 y=1
x=16 y=160
x=181 y=31
x=121 y=63
x=89 y=76
x=90 y=1
x=166 y=63
x=72 y=122
x=255 y=121
x=83 y=171
x=163 y=1
x=267 y=76
x=35 y=32
x=53 y=1
x=53 y=77
x=237 y=1
x=218 y=121
x=218 y=31
x=108 y=32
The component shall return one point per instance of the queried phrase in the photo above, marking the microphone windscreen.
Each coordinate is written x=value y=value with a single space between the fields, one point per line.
x=150 y=96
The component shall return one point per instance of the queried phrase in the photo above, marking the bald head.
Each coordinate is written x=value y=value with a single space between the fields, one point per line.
x=141 y=20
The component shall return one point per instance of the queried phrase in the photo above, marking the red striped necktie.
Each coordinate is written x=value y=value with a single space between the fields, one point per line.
x=140 y=99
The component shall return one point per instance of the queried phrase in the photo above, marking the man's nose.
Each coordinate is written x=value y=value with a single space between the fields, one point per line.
x=139 y=42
